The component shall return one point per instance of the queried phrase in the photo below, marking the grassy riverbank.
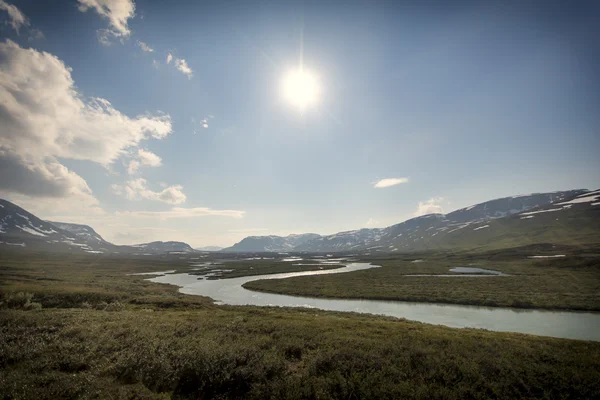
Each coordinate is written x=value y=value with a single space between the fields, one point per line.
x=566 y=283
x=90 y=331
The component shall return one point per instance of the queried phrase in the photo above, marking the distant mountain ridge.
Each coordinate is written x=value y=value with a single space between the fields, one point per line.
x=271 y=243
x=21 y=229
x=429 y=231
x=165 y=247
x=565 y=217
x=209 y=248
x=83 y=231
x=420 y=233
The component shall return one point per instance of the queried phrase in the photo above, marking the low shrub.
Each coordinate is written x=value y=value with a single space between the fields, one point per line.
x=32 y=306
x=85 y=305
x=114 y=306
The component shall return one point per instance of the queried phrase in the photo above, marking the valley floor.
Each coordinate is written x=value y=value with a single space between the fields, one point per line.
x=562 y=283
x=87 y=330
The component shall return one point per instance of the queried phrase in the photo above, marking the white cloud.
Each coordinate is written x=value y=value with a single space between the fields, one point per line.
x=40 y=179
x=44 y=119
x=133 y=167
x=179 y=212
x=118 y=12
x=148 y=158
x=16 y=18
x=143 y=158
x=387 y=182
x=371 y=223
x=105 y=36
x=431 y=206
x=144 y=46
x=137 y=189
x=181 y=65
x=36 y=34
x=155 y=64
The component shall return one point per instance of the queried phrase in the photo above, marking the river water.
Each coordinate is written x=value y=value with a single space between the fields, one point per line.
x=561 y=324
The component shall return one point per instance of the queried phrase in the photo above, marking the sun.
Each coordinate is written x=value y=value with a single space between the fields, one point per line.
x=300 y=88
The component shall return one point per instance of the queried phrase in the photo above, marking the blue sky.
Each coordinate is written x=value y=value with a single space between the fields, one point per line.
x=468 y=101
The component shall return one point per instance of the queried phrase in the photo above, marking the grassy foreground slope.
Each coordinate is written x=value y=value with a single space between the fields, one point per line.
x=570 y=282
x=89 y=331
x=278 y=354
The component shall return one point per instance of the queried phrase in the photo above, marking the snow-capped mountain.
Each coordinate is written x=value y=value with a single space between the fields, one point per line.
x=84 y=232
x=271 y=243
x=568 y=217
x=342 y=241
x=509 y=205
x=21 y=229
x=434 y=230
x=164 y=247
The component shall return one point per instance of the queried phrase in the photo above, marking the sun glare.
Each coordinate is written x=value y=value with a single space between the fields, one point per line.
x=300 y=88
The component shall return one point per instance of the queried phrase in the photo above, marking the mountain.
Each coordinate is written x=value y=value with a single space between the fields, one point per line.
x=509 y=205
x=164 y=247
x=21 y=229
x=271 y=243
x=84 y=232
x=343 y=241
x=572 y=220
x=209 y=248
x=438 y=231
x=567 y=217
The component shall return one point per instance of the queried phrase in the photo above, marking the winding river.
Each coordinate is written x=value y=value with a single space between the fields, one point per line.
x=561 y=324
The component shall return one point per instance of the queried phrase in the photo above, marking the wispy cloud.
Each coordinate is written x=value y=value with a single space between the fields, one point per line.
x=117 y=12
x=179 y=212
x=15 y=16
x=36 y=34
x=387 y=182
x=372 y=223
x=137 y=189
x=431 y=206
x=16 y=19
x=148 y=158
x=181 y=65
x=143 y=158
x=144 y=46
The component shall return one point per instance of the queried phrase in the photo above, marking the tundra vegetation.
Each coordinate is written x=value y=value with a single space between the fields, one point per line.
x=80 y=327
x=571 y=282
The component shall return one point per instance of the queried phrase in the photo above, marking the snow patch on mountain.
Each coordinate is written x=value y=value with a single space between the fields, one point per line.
x=587 y=198
x=542 y=211
x=31 y=231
